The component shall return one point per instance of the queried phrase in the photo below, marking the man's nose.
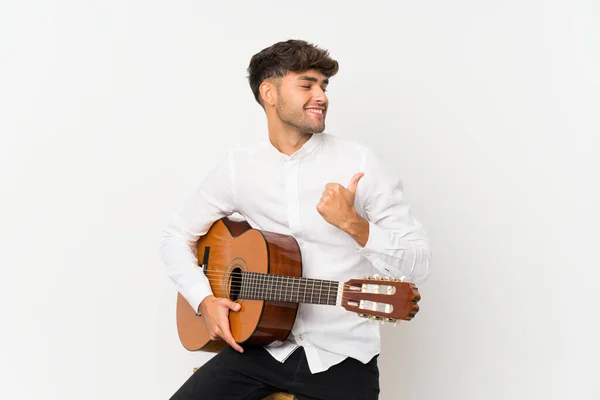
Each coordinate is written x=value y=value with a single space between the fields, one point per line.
x=320 y=96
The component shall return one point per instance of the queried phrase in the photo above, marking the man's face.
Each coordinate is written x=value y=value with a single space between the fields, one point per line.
x=301 y=101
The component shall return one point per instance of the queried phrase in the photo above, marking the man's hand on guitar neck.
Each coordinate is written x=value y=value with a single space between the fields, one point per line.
x=215 y=312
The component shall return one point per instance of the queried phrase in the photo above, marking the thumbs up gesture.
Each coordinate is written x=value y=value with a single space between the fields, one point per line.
x=337 y=203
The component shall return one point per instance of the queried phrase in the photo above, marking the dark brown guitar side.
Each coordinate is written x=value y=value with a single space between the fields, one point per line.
x=262 y=271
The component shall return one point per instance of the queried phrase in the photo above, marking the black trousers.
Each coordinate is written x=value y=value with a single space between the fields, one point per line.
x=254 y=374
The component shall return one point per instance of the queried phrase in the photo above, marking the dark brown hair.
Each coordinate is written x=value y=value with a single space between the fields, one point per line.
x=289 y=56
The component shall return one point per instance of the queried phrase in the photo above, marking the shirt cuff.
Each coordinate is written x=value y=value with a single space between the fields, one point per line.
x=198 y=293
x=377 y=242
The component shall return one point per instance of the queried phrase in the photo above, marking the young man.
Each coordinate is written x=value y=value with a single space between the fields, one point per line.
x=345 y=210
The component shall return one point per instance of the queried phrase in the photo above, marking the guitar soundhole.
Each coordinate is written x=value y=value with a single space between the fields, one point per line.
x=235 y=284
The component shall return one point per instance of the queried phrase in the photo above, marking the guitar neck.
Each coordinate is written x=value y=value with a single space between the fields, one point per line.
x=259 y=286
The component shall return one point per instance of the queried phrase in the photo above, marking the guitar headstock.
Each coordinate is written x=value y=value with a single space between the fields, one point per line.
x=381 y=298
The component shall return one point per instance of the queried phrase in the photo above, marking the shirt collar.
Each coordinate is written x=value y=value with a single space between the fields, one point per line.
x=307 y=148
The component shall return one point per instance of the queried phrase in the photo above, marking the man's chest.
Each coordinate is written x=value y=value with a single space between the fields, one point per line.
x=284 y=198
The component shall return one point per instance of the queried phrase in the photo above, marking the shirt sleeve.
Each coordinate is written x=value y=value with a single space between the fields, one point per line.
x=213 y=199
x=397 y=245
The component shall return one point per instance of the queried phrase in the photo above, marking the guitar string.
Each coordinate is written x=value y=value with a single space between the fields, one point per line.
x=220 y=274
x=308 y=287
x=285 y=287
x=217 y=276
x=323 y=297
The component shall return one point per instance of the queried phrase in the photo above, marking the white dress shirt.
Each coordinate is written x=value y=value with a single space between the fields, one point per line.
x=279 y=193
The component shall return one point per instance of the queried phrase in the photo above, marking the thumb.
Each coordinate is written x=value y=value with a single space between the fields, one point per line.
x=233 y=305
x=354 y=182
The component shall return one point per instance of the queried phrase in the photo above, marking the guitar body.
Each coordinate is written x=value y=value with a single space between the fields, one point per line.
x=231 y=247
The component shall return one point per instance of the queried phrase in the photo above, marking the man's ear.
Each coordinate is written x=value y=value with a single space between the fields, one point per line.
x=268 y=92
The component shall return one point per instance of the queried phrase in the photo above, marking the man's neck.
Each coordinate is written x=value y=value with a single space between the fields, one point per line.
x=288 y=142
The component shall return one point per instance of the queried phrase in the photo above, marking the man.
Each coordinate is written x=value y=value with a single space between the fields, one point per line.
x=344 y=209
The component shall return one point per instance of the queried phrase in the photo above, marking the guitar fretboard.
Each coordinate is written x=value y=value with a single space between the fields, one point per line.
x=288 y=289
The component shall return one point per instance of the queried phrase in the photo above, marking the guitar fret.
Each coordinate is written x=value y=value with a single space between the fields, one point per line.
x=266 y=291
x=304 y=298
x=248 y=285
x=333 y=299
x=295 y=299
x=278 y=291
x=270 y=291
x=242 y=285
x=334 y=294
x=283 y=288
x=258 y=282
x=258 y=286
x=321 y=293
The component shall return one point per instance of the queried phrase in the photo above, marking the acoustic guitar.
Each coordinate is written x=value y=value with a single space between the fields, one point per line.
x=262 y=271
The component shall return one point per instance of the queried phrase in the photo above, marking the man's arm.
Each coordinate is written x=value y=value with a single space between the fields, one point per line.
x=212 y=200
x=398 y=245
x=389 y=237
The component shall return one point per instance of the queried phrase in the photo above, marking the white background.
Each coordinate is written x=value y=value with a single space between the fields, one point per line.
x=111 y=113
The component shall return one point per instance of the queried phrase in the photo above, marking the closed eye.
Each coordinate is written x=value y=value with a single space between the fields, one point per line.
x=308 y=87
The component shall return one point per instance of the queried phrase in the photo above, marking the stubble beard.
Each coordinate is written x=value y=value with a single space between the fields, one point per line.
x=298 y=118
